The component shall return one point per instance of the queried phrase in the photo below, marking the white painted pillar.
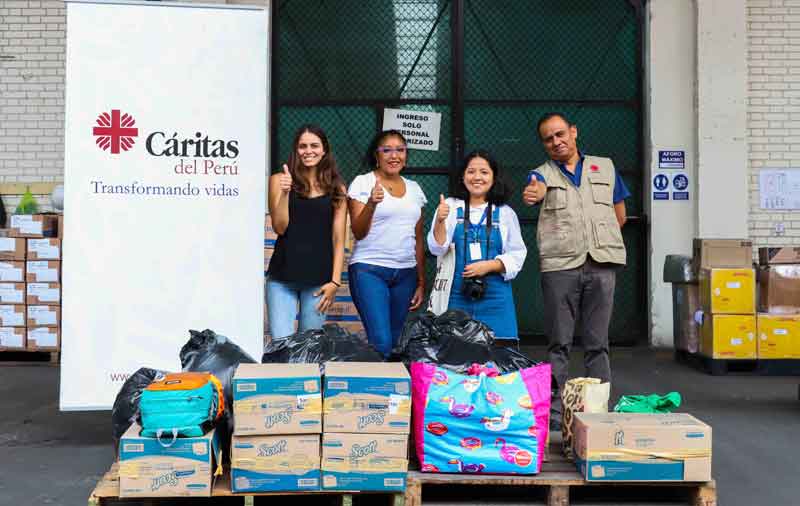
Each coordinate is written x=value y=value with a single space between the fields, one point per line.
x=722 y=186
x=670 y=68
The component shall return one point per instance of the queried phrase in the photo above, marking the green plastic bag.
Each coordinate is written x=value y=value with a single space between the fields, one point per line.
x=653 y=403
x=27 y=205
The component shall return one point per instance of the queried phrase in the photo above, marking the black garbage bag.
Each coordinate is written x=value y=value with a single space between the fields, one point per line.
x=455 y=341
x=126 y=405
x=208 y=351
x=317 y=346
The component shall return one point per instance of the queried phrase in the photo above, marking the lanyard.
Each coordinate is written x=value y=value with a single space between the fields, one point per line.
x=486 y=213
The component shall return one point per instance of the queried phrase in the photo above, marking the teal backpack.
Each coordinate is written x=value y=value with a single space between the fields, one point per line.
x=184 y=404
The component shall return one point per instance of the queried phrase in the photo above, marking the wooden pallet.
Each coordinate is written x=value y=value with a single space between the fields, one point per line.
x=107 y=490
x=721 y=366
x=557 y=477
x=29 y=357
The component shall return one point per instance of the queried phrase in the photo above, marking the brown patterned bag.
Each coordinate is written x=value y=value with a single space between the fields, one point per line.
x=581 y=395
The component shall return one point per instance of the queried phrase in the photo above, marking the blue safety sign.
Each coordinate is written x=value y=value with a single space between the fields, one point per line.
x=660 y=182
x=671 y=159
x=680 y=182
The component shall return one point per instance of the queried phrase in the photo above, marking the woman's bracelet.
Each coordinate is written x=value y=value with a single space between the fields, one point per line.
x=338 y=285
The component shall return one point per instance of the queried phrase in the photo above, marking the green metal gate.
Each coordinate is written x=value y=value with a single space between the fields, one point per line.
x=491 y=68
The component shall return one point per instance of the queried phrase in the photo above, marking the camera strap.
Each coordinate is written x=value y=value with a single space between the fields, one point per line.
x=467 y=227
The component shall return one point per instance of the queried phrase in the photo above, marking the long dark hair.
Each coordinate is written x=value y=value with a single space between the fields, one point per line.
x=498 y=194
x=328 y=177
x=371 y=159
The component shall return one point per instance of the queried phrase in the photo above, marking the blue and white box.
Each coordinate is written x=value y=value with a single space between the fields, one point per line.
x=364 y=461
x=275 y=463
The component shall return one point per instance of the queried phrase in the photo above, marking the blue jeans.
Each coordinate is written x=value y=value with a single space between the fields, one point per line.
x=382 y=296
x=282 y=301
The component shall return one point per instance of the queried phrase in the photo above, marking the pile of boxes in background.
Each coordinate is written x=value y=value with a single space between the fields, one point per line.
x=292 y=431
x=30 y=289
x=747 y=313
x=342 y=312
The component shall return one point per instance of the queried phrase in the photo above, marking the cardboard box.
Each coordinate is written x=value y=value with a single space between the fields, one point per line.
x=728 y=336
x=633 y=447
x=10 y=248
x=364 y=461
x=33 y=225
x=728 y=291
x=366 y=397
x=12 y=293
x=42 y=271
x=781 y=255
x=12 y=315
x=731 y=253
x=43 y=316
x=12 y=272
x=277 y=399
x=44 y=249
x=12 y=338
x=44 y=338
x=779 y=289
x=275 y=463
x=778 y=336
x=45 y=294
x=148 y=469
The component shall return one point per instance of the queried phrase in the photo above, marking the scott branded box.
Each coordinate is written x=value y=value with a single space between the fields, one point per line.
x=12 y=338
x=44 y=249
x=642 y=447
x=44 y=338
x=33 y=225
x=12 y=315
x=367 y=397
x=728 y=291
x=277 y=399
x=42 y=271
x=43 y=316
x=12 y=293
x=729 y=336
x=364 y=461
x=778 y=336
x=10 y=248
x=149 y=469
x=44 y=294
x=275 y=463
x=12 y=272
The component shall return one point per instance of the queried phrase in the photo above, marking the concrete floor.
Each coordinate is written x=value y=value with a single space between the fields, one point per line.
x=49 y=457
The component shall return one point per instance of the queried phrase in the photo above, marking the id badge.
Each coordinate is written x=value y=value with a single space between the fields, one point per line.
x=475 y=251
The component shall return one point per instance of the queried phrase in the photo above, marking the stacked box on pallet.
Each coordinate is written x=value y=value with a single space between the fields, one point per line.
x=727 y=298
x=342 y=312
x=367 y=414
x=779 y=303
x=277 y=419
x=12 y=292
x=42 y=278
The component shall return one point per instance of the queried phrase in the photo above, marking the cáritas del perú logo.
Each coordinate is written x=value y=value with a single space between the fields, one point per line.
x=115 y=131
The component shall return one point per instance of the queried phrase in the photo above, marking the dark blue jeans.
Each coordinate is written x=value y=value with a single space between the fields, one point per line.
x=382 y=296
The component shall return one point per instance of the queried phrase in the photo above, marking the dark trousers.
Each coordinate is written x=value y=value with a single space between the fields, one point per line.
x=585 y=293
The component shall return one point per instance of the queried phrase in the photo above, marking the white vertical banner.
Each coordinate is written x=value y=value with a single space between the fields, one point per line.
x=165 y=176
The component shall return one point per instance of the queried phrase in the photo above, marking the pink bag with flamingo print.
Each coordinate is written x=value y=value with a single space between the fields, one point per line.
x=481 y=422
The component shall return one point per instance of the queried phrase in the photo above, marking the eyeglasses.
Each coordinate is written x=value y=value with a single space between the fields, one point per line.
x=388 y=149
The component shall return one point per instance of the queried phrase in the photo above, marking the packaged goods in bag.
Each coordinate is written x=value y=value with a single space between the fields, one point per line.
x=181 y=404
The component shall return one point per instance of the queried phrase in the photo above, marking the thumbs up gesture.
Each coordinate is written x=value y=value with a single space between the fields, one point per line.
x=376 y=195
x=443 y=210
x=285 y=180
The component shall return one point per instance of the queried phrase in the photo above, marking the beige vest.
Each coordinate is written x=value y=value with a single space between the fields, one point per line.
x=574 y=222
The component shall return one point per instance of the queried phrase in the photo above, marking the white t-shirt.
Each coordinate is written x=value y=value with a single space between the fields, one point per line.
x=391 y=240
x=514 y=250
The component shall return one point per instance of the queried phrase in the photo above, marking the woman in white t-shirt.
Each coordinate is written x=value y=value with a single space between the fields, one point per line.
x=387 y=267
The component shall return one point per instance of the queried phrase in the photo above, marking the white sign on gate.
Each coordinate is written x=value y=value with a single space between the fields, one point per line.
x=165 y=176
x=420 y=128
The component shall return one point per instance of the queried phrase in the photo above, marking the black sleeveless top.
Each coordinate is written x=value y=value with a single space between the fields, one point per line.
x=304 y=253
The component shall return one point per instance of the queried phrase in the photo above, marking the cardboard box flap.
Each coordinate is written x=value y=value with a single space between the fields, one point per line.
x=366 y=370
x=255 y=371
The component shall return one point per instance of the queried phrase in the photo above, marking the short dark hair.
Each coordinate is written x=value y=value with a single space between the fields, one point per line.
x=498 y=194
x=371 y=160
x=550 y=115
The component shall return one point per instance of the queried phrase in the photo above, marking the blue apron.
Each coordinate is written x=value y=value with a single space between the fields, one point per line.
x=496 y=308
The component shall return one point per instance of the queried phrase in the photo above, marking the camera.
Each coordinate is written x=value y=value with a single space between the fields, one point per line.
x=474 y=288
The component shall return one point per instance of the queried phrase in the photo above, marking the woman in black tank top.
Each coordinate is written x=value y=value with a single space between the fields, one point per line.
x=308 y=211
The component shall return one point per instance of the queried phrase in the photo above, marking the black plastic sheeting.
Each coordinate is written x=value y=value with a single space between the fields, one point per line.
x=330 y=343
x=126 y=404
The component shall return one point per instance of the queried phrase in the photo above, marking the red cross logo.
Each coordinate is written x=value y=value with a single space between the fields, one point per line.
x=594 y=168
x=115 y=131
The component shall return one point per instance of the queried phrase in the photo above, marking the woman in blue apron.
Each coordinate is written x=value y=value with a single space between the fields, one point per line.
x=487 y=242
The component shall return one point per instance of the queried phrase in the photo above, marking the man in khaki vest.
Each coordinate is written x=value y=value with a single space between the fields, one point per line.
x=580 y=247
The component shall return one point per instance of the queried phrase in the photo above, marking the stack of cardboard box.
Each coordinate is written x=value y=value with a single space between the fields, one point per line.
x=343 y=311
x=277 y=412
x=779 y=303
x=366 y=421
x=30 y=289
x=727 y=298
